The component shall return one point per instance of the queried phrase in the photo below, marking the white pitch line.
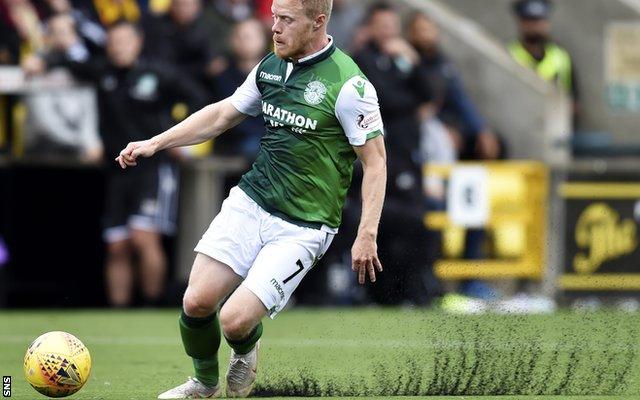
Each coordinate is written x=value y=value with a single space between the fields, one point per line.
x=328 y=343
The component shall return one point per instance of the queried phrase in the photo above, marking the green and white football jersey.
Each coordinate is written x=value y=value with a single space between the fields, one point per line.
x=314 y=111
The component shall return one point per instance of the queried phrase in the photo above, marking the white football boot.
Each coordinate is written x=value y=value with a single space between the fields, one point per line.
x=242 y=372
x=192 y=389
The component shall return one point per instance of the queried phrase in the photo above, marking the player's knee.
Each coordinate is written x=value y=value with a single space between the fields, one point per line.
x=234 y=326
x=195 y=305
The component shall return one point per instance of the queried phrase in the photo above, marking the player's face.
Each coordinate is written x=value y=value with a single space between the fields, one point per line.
x=123 y=46
x=292 y=29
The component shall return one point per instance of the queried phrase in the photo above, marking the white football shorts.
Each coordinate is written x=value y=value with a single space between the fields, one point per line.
x=271 y=254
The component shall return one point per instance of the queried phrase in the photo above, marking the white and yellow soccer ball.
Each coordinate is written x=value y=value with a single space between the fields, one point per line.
x=57 y=364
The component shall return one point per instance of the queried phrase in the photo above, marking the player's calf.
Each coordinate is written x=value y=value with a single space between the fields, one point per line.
x=240 y=318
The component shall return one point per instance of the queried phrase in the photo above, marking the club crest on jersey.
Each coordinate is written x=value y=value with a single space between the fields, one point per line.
x=315 y=92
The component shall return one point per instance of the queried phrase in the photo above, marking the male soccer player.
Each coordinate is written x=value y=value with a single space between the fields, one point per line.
x=320 y=113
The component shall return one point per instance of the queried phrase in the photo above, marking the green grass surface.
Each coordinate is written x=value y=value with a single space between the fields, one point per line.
x=356 y=352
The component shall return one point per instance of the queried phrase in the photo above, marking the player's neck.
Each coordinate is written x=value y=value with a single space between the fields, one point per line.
x=319 y=43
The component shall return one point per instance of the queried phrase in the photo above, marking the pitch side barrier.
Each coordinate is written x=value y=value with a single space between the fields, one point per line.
x=509 y=200
x=601 y=199
x=573 y=228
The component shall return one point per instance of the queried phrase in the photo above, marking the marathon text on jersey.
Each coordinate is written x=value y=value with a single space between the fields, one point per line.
x=281 y=117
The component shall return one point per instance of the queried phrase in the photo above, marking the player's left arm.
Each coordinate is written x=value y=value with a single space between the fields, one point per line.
x=364 y=253
x=358 y=111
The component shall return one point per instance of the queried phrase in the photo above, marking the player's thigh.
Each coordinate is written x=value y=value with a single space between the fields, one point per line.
x=234 y=237
x=210 y=282
x=282 y=264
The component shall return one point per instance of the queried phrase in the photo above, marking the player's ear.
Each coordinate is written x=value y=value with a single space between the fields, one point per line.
x=319 y=22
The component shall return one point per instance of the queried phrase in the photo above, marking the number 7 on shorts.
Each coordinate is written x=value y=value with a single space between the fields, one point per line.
x=300 y=268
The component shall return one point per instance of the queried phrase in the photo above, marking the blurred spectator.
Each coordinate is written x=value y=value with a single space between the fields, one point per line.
x=453 y=109
x=91 y=32
x=536 y=49
x=182 y=38
x=248 y=47
x=222 y=15
x=345 y=22
x=390 y=63
x=451 y=104
x=108 y=12
x=62 y=122
x=134 y=99
x=21 y=17
x=20 y=36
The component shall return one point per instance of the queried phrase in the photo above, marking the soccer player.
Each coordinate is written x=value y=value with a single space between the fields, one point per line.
x=320 y=113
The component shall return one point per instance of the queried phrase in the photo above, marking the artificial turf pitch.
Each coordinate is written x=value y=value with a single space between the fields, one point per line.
x=368 y=352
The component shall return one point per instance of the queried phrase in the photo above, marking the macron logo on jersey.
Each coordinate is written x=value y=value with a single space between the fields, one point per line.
x=280 y=117
x=270 y=77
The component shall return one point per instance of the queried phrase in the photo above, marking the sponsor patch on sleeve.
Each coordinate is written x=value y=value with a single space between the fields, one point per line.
x=368 y=121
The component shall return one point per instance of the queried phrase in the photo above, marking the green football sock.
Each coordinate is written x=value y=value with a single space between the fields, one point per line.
x=201 y=340
x=243 y=346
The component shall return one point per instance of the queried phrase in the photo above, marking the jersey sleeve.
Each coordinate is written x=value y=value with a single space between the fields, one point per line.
x=358 y=111
x=247 y=97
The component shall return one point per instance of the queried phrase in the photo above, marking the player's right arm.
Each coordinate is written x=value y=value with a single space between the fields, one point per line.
x=205 y=124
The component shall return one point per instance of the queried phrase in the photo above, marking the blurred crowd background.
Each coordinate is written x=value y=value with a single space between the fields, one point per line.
x=79 y=79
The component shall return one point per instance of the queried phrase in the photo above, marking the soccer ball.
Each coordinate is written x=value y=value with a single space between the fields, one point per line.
x=57 y=364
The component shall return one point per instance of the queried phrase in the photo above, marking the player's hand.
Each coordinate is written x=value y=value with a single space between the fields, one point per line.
x=128 y=157
x=364 y=257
